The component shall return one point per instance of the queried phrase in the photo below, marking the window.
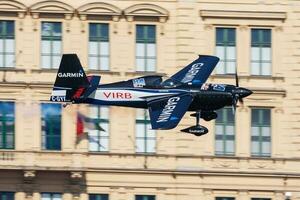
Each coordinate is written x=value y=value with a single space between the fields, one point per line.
x=226 y=50
x=51 y=126
x=145 y=48
x=51 y=196
x=99 y=140
x=261 y=52
x=261 y=132
x=51 y=44
x=7 y=43
x=225 y=198
x=7 y=125
x=260 y=199
x=144 y=197
x=98 y=196
x=7 y=196
x=225 y=132
x=145 y=137
x=98 y=47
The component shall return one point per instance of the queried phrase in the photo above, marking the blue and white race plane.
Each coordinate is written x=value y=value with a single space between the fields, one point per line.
x=167 y=99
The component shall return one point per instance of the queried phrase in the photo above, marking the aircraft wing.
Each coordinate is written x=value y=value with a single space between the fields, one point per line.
x=198 y=71
x=166 y=113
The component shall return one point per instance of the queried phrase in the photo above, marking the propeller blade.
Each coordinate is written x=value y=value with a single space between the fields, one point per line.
x=233 y=108
x=236 y=78
x=241 y=101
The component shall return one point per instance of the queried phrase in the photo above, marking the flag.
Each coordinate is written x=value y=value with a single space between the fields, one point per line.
x=85 y=124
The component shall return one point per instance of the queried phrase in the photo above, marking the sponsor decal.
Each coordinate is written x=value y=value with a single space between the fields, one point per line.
x=117 y=95
x=139 y=82
x=70 y=75
x=190 y=75
x=168 y=110
x=59 y=92
x=205 y=86
x=219 y=87
x=58 y=98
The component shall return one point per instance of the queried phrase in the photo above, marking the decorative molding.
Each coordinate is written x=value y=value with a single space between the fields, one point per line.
x=233 y=14
x=52 y=7
x=76 y=175
x=12 y=6
x=243 y=27
x=99 y=9
x=146 y=10
x=208 y=27
x=29 y=176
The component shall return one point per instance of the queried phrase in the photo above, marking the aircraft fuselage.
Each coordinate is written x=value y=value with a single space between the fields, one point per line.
x=207 y=97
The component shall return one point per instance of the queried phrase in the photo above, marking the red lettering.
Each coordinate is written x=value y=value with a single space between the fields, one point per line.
x=107 y=94
x=119 y=95
x=128 y=95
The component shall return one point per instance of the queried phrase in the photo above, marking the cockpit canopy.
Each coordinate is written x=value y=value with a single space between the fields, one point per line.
x=155 y=81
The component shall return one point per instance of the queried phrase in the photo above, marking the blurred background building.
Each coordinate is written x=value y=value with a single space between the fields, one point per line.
x=254 y=155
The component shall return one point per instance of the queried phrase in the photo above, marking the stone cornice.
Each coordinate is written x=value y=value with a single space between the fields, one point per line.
x=233 y=14
x=146 y=10
x=12 y=6
x=99 y=9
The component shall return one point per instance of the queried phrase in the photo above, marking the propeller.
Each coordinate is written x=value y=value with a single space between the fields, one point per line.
x=236 y=95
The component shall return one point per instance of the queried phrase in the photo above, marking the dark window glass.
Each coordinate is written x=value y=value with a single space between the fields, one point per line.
x=144 y=197
x=7 y=196
x=145 y=34
x=260 y=37
x=7 y=125
x=98 y=32
x=98 y=196
x=225 y=198
x=51 y=126
x=225 y=36
x=261 y=199
x=51 y=196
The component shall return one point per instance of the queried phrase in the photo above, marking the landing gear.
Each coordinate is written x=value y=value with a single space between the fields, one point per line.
x=207 y=115
x=197 y=130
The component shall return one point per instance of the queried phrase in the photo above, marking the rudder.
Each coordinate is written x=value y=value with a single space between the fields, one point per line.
x=71 y=80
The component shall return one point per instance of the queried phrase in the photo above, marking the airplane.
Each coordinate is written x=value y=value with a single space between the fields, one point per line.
x=167 y=99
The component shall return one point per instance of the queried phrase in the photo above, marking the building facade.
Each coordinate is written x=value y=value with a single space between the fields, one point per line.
x=252 y=155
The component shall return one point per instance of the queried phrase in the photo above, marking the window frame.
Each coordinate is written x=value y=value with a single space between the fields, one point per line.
x=145 y=122
x=146 y=42
x=260 y=61
x=99 y=136
x=224 y=124
x=4 y=36
x=53 y=136
x=260 y=153
x=51 y=54
x=99 y=39
x=226 y=61
x=4 y=135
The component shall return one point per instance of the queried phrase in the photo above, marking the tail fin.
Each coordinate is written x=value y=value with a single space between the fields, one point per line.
x=71 y=81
